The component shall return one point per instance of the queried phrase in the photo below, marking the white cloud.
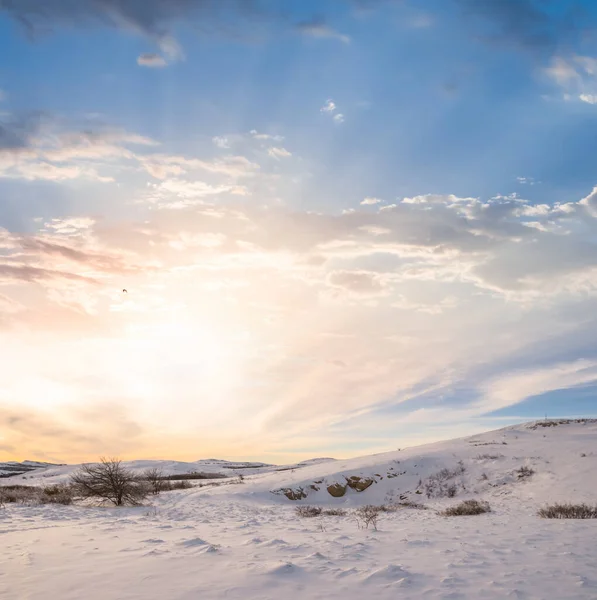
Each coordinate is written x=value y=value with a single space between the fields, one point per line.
x=266 y=136
x=588 y=98
x=221 y=142
x=163 y=192
x=526 y=180
x=279 y=153
x=321 y=30
x=369 y=201
x=339 y=118
x=152 y=60
x=329 y=106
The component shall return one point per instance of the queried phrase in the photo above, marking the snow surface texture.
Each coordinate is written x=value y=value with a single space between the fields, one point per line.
x=242 y=541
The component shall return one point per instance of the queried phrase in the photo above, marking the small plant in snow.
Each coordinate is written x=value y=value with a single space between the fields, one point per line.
x=467 y=507
x=568 y=511
x=524 y=472
x=367 y=515
x=334 y=512
x=308 y=511
x=411 y=504
x=436 y=485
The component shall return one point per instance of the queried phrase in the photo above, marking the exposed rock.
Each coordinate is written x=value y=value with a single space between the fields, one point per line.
x=359 y=484
x=337 y=490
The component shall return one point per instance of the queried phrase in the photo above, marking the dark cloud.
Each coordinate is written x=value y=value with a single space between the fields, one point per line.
x=154 y=19
x=32 y=274
x=157 y=19
x=530 y=25
x=97 y=261
x=16 y=132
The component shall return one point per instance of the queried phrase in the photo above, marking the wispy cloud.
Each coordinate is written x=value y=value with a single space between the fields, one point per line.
x=279 y=153
x=152 y=60
x=319 y=29
x=234 y=297
x=576 y=75
x=331 y=108
x=265 y=136
x=221 y=142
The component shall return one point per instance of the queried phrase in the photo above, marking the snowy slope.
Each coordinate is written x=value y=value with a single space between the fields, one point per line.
x=243 y=541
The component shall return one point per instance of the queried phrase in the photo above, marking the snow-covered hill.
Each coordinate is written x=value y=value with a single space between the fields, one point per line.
x=540 y=461
x=35 y=473
x=13 y=468
x=243 y=539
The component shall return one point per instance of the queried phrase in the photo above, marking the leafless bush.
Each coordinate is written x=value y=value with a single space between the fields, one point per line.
x=60 y=493
x=155 y=478
x=308 y=511
x=33 y=495
x=488 y=456
x=467 y=507
x=436 y=485
x=411 y=504
x=525 y=472
x=183 y=484
x=109 y=480
x=568 y=511
x=334 y=512
x=368 y=515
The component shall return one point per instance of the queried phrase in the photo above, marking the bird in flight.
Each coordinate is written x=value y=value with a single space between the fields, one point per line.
x=124 y=291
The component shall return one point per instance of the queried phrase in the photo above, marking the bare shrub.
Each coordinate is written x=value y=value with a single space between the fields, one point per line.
x=308 y=511
x=411 y=504
x=525 y=472
x=109 y=480
x=368 y=515
x=183 y=484
x=436 y=485
x=155 y=478
x=488 y=456
x=60 y=493
x=33 y=495
x=568 y=511
x=467 y=507
x=334 y=512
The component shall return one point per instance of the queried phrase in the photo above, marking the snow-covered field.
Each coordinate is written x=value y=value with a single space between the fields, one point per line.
x=242 y=541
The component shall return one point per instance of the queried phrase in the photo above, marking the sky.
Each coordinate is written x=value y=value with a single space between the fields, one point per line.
x=274 y=230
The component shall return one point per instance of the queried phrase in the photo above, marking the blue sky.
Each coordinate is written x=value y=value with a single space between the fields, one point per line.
x=343 y=225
